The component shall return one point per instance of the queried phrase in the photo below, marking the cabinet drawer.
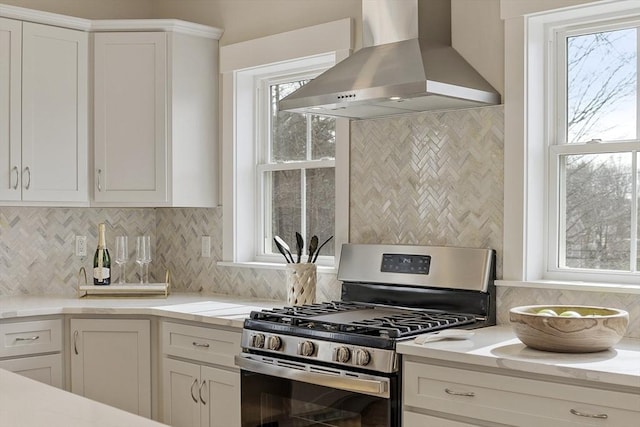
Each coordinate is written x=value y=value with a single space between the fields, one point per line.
x=23 y=338
x=46 y=369
x=514 y=401
x=412 y=419
x=207 y=345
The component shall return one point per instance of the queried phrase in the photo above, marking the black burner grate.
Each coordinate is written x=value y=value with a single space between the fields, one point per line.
x=362 y=319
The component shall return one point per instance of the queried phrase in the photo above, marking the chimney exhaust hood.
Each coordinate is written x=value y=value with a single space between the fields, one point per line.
x=395 y=73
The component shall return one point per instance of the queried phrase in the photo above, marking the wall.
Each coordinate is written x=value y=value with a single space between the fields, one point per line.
x=249 y=19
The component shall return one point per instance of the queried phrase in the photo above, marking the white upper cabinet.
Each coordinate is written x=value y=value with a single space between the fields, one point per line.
x=43 y=113
x=130 y=130
x=155 y=127
x=10 y=106
x=155 y=106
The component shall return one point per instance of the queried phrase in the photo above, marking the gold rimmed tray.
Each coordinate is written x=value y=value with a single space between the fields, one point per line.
x=160 y=290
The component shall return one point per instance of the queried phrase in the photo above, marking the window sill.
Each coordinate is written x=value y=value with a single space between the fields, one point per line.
x=322 y=269
x=571 y=286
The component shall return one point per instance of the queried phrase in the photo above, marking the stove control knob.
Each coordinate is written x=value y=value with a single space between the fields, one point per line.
x=306 y=348
x=362 y=357
x=257 y=340
x=274 y=343
x=343 y=354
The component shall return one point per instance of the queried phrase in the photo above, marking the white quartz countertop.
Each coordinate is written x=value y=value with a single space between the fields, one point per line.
x=498 y=347
x=214 y=309
x=28 y=403
x=495 y=347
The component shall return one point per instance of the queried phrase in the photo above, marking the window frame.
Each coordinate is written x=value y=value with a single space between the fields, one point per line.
x=263 y=163
x=526 y=118
x=557 y=146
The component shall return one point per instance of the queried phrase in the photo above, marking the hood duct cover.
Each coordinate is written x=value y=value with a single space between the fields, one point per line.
x=387 y=79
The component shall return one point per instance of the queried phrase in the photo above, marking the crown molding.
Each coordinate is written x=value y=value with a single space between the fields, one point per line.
x=104 y=25
x=168 y=25
x=48 y=18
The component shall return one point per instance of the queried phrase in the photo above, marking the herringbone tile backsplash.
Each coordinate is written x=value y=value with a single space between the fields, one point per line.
x=427 y=178
x=37 y=245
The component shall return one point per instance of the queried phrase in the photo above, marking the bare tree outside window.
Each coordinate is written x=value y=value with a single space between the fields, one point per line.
x=302 y=192
x=599 y=191
x=602 y=86
x=598 y=211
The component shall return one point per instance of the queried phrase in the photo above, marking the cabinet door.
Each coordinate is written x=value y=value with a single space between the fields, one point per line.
x=130 y=118
x=111 y=362
x=54 y=114
x=46 y=369
x=10 y=87
x=220 y=397
x=180 y=393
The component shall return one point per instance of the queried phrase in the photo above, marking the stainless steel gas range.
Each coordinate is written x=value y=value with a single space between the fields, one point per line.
x=335 y=363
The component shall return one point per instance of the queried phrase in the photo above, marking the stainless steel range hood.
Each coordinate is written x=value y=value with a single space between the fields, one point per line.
x=395 y=73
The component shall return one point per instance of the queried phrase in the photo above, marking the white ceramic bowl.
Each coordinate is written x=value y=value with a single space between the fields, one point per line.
x=597 y=328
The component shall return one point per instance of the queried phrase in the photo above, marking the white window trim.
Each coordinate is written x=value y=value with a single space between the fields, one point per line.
x=525 y=176
x=324 y=43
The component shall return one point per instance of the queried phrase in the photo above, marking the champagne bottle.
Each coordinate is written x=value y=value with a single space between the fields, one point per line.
x=101 y=260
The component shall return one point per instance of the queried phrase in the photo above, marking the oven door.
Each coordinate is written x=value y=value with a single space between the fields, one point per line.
x=283 y=393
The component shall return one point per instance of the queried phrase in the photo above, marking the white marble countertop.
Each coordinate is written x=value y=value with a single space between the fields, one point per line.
x=28 y=403
x=495 y=346
x=214 y=309
x=498 y=347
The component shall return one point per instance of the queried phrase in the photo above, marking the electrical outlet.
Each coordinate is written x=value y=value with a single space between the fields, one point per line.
x=81 y=245
x=206 y=247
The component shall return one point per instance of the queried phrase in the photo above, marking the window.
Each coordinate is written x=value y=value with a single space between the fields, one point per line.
x=594 y=151
x=296 y=171
x=280 y=171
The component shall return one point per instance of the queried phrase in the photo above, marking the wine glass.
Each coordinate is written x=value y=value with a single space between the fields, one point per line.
x=143 y=255
x=122 y=256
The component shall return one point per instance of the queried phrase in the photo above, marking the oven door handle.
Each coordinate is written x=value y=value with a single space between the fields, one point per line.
x=374 y=387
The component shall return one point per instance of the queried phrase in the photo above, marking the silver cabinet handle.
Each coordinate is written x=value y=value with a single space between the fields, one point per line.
x=36 y=337
x=582 y=414
x=199 y=344
x=459 y=393
x=99 y=185
x=195 y=399
x=200 y=392
x=15 y=169
x=28 y=171
x=75 y=342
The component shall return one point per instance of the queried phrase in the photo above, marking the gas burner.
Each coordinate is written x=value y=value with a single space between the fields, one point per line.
x=350 y=318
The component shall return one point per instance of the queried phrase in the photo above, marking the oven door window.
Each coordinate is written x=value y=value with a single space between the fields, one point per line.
x=269 y=401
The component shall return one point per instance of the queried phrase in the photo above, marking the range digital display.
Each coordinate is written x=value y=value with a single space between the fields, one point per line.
x=409 y=264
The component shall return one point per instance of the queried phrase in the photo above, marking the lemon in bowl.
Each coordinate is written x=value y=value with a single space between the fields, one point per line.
x=569 y=328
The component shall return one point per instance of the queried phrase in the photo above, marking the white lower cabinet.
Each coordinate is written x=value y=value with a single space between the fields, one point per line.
x=46 y=369
x=195 y=395
x=202 y=389
x=464 y=396
x=33 y=349
x=111 y=362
